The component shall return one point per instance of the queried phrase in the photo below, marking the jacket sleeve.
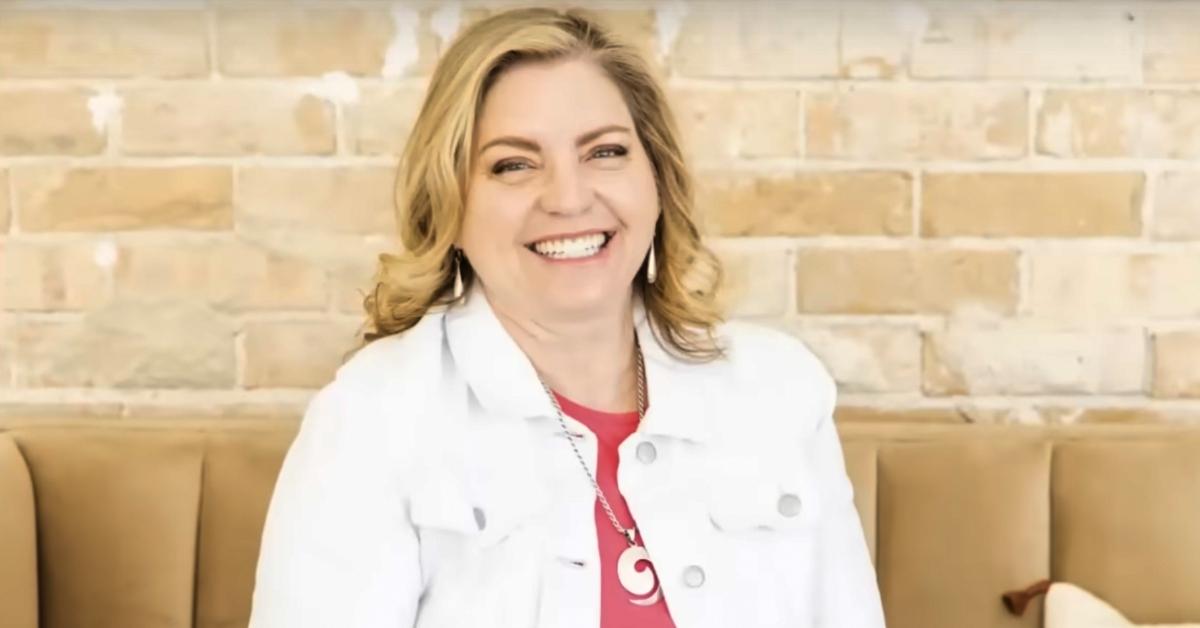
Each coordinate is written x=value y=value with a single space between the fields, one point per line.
x=338 y=548
x=848 y=595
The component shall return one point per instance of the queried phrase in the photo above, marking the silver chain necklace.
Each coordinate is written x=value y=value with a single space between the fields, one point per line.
x=641 y=583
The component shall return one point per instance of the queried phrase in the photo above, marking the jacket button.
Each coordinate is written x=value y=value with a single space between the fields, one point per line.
x=789 y=505
x=693 y=576
x=480 y=518
x=646 y=452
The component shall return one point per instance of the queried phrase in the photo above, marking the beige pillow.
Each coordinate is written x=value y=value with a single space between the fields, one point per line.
x=1068 y=606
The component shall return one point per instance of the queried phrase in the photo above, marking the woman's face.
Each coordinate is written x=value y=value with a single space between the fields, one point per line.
x=561 y=200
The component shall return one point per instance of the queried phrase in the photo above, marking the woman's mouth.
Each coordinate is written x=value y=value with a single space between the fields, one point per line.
x=582 y=247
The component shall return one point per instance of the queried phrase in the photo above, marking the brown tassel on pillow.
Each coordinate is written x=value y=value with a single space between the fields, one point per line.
x=1016 y=601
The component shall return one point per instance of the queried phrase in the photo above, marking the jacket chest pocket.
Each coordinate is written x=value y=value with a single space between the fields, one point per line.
x=478 y=483
x=480 y=522
x=773 y=492
x=480 y=528
x=764 y=513
x=477 y=505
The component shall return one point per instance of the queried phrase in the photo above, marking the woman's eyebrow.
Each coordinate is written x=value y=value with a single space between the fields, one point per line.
x=530 y=145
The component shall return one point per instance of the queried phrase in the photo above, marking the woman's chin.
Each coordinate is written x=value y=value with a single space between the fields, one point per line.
x=580 y=298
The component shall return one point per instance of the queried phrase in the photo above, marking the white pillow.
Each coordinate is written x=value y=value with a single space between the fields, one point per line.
x=1068 y=606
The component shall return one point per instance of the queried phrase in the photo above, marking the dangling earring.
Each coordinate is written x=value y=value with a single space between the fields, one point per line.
x=458 y=285
x=651 y=266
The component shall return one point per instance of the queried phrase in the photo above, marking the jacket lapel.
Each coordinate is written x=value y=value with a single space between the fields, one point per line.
x=506 y=384
x=496 y=370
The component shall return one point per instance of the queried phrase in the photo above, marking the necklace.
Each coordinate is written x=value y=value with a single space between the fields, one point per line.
x=640 y=583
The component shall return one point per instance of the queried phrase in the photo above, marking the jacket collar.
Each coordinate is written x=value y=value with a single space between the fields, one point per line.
x=506 y=384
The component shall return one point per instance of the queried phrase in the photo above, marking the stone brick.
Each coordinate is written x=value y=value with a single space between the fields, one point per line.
x=805 y=203
x=756 y=40
x=1098 y=286
x=917 y=122
x=1177 y=206
x=233 y=408
x=352 y=267
x=1027 y=41
x=181 y=344
x=102 y=43
x=893 y=414
x=874 y=40
x=1016 y=360
x=1177 y=364
x=1000 y=413
x=229 y=275
x=380 y=122
x=1114 y=413
x=226 y=119
x=1172 y=49
x=875 y=358
x=50 y=277
x=289 y=41
x=779 y=138
x=1120 y=123
x=14 y=411
x=355 y=200
x=351 y=285
x=296 y=354
x=718 y=125
x=56 y=198
x=1032 y=204
x=1009 y=412
x=5 y=212
x=906 y=281
x=8 y=349
x=47 y=121
x=1122 y=414
x=756 y=281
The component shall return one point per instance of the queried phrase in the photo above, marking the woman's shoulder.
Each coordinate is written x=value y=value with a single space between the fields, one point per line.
x=384 y=382
x=379 y=391
x=395 y=358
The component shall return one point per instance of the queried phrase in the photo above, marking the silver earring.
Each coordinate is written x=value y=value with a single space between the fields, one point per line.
x=458 y=285
x=651 y=266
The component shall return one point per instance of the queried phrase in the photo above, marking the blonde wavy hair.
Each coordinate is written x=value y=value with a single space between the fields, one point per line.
x=682 y=303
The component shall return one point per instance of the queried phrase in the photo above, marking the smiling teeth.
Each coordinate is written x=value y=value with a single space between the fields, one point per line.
x=585 y=246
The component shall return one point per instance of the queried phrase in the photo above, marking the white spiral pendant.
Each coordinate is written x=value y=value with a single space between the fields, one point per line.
x=644 y=583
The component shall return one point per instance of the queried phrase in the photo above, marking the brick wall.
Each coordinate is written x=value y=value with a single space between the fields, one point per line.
x=972 y=211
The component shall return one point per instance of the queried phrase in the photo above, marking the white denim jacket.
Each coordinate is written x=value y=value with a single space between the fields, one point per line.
x=431 y=486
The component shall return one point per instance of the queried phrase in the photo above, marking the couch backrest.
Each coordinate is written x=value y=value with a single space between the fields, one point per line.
x=963 y=513
x=150 y=523
x=18 y=540
x=157 y=523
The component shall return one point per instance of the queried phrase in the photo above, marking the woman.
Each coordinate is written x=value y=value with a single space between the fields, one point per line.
x=551 y=424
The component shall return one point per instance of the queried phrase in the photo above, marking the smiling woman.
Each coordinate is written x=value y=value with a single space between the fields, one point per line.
x=551 y=424
x=538 y=127
x=561 y=174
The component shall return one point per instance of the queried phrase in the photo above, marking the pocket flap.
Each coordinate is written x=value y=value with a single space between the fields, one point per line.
x=754 y=494
x=443 y=509
x=485 y=520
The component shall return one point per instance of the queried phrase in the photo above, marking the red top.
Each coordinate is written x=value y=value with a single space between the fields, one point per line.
x=616 y=609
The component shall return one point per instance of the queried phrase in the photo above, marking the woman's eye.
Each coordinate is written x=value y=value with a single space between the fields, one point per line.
x=516 y=165
x=508 y=166
x=611 y=151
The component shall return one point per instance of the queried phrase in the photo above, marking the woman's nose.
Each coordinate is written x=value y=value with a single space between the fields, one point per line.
x=567 y=190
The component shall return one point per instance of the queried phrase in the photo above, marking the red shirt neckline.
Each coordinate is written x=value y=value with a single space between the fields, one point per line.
x=575 y=410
